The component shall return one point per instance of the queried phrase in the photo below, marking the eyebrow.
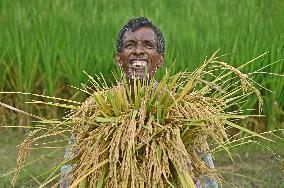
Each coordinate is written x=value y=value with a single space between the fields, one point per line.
x=150 y=41
x=130 y=40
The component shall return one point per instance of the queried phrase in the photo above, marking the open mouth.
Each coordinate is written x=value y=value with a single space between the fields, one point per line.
x=139 y=64
x=138 y=68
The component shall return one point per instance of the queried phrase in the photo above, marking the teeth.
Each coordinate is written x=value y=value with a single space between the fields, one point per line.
x=139 y=63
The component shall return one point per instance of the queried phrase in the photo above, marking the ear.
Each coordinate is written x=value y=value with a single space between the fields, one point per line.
x=161 y=61
x=118 y=60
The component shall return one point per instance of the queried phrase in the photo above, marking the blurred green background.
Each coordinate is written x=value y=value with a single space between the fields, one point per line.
x=46 y=44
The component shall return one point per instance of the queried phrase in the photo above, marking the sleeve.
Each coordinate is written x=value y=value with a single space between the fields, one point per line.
x=67 y=168
x=207 y=182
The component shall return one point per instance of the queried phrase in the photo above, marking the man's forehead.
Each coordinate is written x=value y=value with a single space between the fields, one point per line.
x=143 y=33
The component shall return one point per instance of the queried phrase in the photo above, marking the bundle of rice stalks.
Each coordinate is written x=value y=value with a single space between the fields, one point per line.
x=152 y=134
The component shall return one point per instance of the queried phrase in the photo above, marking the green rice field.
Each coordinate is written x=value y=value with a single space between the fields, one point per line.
x=46 y=45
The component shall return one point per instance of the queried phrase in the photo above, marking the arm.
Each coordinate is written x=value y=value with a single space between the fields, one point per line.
x=208 y=182
x=67 y=168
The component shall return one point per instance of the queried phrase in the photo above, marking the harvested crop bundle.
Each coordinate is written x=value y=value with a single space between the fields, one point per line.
x=152 y=134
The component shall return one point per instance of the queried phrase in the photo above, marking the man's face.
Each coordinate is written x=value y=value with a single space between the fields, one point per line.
x=139 y=54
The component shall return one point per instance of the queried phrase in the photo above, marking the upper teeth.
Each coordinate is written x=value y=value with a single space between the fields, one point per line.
x=139 y=63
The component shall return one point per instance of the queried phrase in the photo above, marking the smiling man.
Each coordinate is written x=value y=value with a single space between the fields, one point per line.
x=140 y=48
x=140 y=53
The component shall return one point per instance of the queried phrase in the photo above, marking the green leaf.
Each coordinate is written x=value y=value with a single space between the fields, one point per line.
x=184 y=178
x=83 y=183
x=105 y=120
x=102 y=178
x=246 y=130
x=102 y=104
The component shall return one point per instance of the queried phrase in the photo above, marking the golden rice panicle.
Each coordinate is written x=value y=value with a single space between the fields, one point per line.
x=157 y=136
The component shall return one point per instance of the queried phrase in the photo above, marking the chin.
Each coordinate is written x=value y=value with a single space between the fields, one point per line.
x=138 y=76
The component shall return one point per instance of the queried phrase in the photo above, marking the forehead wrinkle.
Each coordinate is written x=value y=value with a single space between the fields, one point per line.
x=146 y=36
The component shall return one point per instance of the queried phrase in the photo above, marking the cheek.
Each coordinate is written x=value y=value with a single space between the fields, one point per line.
x=125 y=57
x=125 y=60
x=154 y=59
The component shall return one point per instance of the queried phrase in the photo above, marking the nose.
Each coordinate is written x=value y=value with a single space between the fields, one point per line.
x=139 y=51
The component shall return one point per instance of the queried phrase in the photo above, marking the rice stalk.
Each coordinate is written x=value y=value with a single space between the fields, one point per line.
x=155 y=135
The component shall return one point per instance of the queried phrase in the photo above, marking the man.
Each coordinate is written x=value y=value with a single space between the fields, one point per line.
x=140 y=46
x=140 y=53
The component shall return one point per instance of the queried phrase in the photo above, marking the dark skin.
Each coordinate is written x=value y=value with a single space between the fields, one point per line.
x=139 y=57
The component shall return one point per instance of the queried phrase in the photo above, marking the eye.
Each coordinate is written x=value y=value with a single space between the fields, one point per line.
x=149 y=45
x=129 y=45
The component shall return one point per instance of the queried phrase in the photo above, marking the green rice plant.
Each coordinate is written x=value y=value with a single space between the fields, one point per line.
x=46 y=44
x=3 y=70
